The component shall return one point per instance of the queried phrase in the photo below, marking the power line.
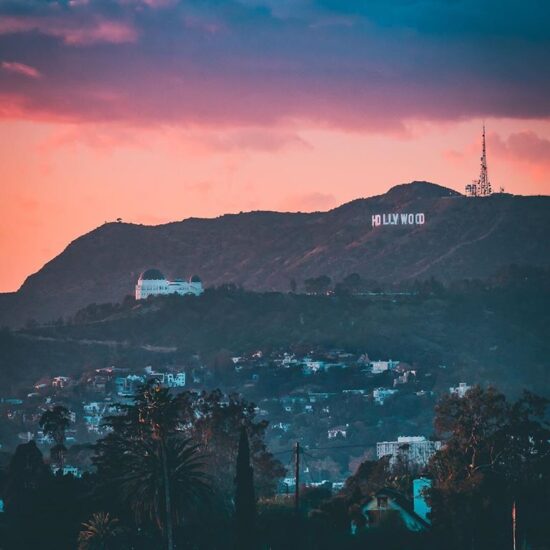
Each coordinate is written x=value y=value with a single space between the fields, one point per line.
x=293 y=449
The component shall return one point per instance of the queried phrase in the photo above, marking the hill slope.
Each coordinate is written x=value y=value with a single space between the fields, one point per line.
x=495 y=333
x=461 y=238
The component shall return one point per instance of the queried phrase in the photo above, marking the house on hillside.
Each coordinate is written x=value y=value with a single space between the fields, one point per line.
x=461 y=390
x=126 y=386
x=60 y=381
x=338 y=431
x=378 y=367
x=380 y=395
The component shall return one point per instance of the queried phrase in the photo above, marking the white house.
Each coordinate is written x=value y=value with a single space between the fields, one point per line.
x=378 y=367
x=152 y=282
x=310 y=366
x=60 y=381
x=381 y=394
x=341 y=431
x=284 y=426
x=413 y=449
x=126 y=386
x=404 y=378
x=68 y=470
x=94 y=413
x=167 y=379
x=461 y=390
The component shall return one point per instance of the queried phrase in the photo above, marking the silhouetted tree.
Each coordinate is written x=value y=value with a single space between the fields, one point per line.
x=100 y=532
x=496 y=454
x=54 y=422
x=157 y=471
x=293 y=285
x=318 y=285
x=26 y=496
x=245 y=501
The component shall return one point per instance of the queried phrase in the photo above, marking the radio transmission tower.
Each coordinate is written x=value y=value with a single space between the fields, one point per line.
x=482 y=186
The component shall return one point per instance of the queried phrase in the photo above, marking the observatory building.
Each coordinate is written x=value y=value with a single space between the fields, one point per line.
x=153 y=283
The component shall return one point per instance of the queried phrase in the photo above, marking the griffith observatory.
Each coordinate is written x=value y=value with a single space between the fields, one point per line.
x=152 y=282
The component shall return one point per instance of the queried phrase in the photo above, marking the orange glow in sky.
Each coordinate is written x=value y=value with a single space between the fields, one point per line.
x=62 y=180
x=158 y=110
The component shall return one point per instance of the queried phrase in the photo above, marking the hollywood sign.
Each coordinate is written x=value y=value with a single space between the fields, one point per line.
x=398 y=219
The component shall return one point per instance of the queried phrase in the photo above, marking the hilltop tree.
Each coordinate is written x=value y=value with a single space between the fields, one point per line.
x=318 y=285
x=351 y=284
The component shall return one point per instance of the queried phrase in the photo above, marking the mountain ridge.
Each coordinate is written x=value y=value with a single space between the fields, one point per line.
x=263 y=250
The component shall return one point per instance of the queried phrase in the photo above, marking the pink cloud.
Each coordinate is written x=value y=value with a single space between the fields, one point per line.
x=309 y=202
x=71 y=31
x=525 y=146
x=255 y=139
x=21 y=69
x=525 y=149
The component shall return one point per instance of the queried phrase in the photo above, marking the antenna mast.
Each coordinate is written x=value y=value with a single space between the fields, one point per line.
x=482 y=186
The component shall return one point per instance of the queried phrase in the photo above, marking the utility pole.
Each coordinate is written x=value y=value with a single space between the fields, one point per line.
x=297 y=478
x=514 y=526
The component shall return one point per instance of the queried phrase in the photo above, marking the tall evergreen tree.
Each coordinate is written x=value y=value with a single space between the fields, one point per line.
x=54 y=422
x=245 y=501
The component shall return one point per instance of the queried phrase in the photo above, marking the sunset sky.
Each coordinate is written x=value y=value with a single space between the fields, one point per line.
x=158 y=110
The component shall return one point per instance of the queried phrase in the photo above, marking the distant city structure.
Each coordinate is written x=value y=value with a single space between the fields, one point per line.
x=413 y=449
x=153 y=283
x=482 y=186
x=461 y=390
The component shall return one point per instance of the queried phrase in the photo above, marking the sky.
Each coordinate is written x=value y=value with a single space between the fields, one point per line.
x=158 y=110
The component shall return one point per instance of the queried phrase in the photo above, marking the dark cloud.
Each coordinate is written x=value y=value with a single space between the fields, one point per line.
x=258 y=62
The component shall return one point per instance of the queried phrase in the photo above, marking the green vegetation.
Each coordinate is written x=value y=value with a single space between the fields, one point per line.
x=487 y=332
x=155 y=484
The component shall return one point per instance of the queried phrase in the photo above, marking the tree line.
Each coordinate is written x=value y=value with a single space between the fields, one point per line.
x=191 y=471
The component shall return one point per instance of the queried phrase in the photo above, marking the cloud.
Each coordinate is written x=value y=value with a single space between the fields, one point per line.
x=21 y=69
x=73 y=31
x=309 y=202
x=253 y=139
x=359 y=66
x=524 y=146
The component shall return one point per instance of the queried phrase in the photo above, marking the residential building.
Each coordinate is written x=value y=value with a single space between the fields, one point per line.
x=338 y=431
x=126 y=386
x=153 y=283
x=405 y=378
x=413 y=449
x=378 y=367
x=388 y=503
x=381 y=394
x=60 y=381
x=461 y=390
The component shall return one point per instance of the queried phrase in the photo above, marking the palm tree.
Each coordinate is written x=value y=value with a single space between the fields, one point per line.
x=99 y=533
x=54 y=422
x=154 y=470
x=158 y=473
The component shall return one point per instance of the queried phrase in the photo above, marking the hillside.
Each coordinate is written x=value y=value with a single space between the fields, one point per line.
x=461 y=238
x=495 y=333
